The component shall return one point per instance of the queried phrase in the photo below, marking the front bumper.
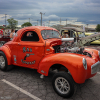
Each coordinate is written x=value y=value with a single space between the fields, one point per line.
x=95 y=67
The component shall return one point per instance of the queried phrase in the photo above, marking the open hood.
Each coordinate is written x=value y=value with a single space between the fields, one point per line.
x=88 y=39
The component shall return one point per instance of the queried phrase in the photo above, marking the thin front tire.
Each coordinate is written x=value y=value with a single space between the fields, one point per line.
x=63 y=84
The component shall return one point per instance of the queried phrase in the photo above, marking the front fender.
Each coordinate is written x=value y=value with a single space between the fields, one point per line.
x=73 y=62
x=7 y=53
x=94 y=53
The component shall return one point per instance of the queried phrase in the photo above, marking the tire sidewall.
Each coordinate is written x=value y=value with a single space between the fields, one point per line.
x=70 y=81
x=5 y=67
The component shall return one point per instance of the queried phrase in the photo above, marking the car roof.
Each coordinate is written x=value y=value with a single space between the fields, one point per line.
x=31 y=28
x=38 y=27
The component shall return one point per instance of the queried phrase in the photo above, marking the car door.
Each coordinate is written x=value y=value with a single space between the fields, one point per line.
x=30 y=50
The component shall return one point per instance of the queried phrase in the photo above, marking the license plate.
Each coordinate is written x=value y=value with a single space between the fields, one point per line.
x=95 y=67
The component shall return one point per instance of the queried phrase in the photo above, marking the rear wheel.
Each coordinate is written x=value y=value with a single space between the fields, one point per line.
x=63 y=84
x=3 y=62
x=2 y=43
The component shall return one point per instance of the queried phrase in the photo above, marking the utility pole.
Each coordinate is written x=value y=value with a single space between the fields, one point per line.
x=66 y=22
x=29 y=20
x=37 y=22
x=49 y=23
x=60 y=21
x=87 y=25
x=41 y=17
x=5 y=20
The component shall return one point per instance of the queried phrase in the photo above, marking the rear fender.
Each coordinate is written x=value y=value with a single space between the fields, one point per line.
x=7 y=53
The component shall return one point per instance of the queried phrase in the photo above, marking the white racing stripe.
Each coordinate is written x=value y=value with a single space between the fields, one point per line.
x=21 y=90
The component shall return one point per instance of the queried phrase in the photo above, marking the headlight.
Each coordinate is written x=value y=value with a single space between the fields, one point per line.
x=99 y=53
x=84 y=63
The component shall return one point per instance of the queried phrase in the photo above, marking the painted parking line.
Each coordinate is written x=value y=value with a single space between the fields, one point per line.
x=98 y=72
x=21 y=90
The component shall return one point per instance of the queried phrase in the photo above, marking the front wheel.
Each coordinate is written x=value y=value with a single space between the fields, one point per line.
x=63 y=84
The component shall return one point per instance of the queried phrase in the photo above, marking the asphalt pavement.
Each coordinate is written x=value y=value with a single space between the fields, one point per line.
x=25 y=84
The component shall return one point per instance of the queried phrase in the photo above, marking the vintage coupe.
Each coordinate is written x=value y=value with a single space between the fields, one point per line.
x=4 y=39
x=43 y=49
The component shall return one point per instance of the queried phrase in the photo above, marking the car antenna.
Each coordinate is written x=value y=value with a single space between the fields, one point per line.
x=45 y=31
x=52 y=31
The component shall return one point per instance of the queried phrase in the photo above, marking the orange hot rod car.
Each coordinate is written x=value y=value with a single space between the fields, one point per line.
x=43 y=49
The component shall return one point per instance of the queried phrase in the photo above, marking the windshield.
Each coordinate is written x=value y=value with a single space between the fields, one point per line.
x=47 y=34
x=81 y=34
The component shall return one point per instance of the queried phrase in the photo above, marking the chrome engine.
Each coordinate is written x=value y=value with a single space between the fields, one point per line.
x=68 y=45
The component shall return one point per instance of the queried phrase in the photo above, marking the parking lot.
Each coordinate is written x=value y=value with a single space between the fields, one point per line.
x=25 y=84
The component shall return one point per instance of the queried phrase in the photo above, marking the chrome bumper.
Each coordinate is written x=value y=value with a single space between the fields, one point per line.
x=95 y=67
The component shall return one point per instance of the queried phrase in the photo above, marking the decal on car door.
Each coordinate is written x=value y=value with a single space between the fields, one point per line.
x=14 y=58
x=25 y=62
x=27 y=49
x=27 y=55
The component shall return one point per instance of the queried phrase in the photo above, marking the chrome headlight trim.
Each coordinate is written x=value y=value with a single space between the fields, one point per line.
x=84 y=64
x=99 y=53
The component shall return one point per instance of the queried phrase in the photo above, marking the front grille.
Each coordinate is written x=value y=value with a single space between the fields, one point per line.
x=95 y=67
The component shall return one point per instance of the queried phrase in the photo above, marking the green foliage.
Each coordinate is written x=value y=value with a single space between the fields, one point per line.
x=12 y=23
x=26 y=24
x=1 y=27
x=98 y=28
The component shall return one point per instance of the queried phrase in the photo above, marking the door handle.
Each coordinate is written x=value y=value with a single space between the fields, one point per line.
x=19 y=44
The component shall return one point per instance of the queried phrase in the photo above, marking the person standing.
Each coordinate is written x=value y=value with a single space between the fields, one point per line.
x=1 y=32
x=8 y=33
x=66 y=34
x=12 y=34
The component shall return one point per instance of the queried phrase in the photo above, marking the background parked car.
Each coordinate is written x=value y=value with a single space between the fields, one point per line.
x=5 y=37
x=91 y=33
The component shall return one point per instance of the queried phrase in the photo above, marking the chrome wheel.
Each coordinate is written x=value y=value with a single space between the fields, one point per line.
x=62 y=85
x=2 y=62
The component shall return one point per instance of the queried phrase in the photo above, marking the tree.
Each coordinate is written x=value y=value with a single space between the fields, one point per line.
x=1 y=27
x=12 y=23
x=26 y=24
x=98 y=28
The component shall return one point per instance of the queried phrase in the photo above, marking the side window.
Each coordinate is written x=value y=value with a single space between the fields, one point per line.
x=72 y=34
x=62 y=32
x=30 y=36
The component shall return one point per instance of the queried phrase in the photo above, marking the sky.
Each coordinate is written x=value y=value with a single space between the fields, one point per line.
x=78 y=12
